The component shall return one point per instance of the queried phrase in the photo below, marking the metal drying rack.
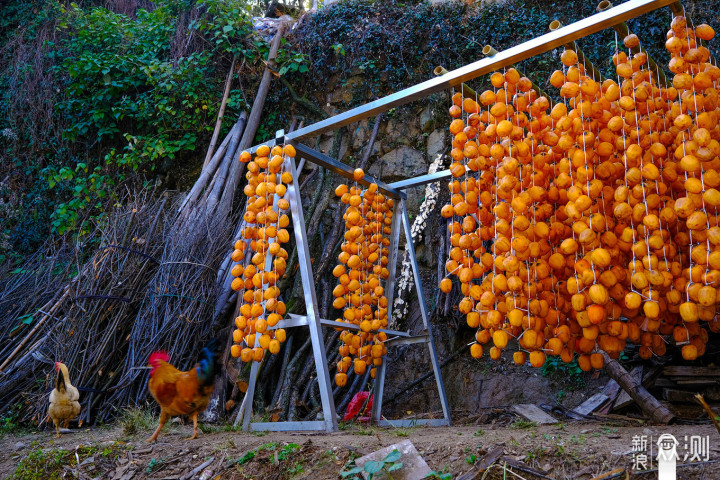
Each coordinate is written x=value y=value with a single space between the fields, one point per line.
x=554 y=39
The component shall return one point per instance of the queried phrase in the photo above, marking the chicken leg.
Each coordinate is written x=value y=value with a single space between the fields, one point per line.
x=164 y=417
x=194 y=418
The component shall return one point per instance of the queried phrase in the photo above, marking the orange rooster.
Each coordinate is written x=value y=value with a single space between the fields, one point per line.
x=182 y=393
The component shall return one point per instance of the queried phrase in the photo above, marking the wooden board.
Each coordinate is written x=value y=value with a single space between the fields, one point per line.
x=678 y=396
x=591 y=404
x=698 y=381
x=679 y=371
x=534 y=414
x=612 y=390
x=664 y=382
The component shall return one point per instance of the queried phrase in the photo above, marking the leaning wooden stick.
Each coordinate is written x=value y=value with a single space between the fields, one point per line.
x=709 y=411
x=221 y=113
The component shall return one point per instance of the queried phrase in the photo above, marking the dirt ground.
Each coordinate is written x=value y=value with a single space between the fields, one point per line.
x=572 y=450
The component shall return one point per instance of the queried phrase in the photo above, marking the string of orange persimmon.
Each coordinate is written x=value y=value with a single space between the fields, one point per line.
x=602 y=210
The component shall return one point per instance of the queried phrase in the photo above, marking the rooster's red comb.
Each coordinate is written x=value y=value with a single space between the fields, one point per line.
x=157 y=356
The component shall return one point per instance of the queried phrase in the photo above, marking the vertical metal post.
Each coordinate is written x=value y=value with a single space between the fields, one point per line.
x=390 y=295
x=313 y=312
x=424 y=311
x=250 y=395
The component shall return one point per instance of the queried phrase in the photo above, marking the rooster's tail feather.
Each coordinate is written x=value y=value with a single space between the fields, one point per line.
x=208 y=364
x=60 y=385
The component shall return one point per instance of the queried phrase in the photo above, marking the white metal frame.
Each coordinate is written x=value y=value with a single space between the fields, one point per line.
x=544 y=43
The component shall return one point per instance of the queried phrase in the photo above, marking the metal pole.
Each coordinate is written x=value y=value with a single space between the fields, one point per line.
x=343 y=170
x=313 y=312
x=421 y=180
x=390 y=294
x=424 y=312
x=455 y=78
x=250 y=395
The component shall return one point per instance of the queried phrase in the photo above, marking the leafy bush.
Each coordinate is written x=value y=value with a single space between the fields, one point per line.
x=127 y=98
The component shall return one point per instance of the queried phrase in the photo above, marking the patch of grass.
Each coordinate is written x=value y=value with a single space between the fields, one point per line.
x=560 y=396
x=364 y=431
x=536 y=452
x=287 y=450
x=228 y=444
x=279 y=452
x=137 y=419
x=328 y=456
x=479 y=433
x=440 y=474
x=470 y=460
x=523 y=424
x=296 y=468
x=231 y=428
x=247 y=457
x=9 y=421
x=48 y=464
x=153 y=464
x=208 y=428
x=403 y=432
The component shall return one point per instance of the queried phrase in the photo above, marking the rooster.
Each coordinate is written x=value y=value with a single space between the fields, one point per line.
x=182 y=393
x=64 y=403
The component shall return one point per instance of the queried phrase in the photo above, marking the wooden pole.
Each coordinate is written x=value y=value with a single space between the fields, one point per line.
x=253 y=120
x=209 y=169
x=371 y=142
x=228 y=163
x=39 y=324
x=221 y=113
x=650 y=405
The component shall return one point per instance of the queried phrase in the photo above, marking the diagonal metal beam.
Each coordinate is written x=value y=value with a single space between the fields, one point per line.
x=343 y=170
x=518 y=53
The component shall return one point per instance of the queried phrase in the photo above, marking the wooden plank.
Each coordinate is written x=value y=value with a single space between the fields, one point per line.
x=534 y=414
x=624 y=399
x=680 y=371
x=591 y=404
x=612 y=390
x=664 y=382
x=678 y=396
x=698 y=381
x=483 y=464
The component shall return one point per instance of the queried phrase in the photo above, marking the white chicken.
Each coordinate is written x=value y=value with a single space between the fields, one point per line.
x=64 y=404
